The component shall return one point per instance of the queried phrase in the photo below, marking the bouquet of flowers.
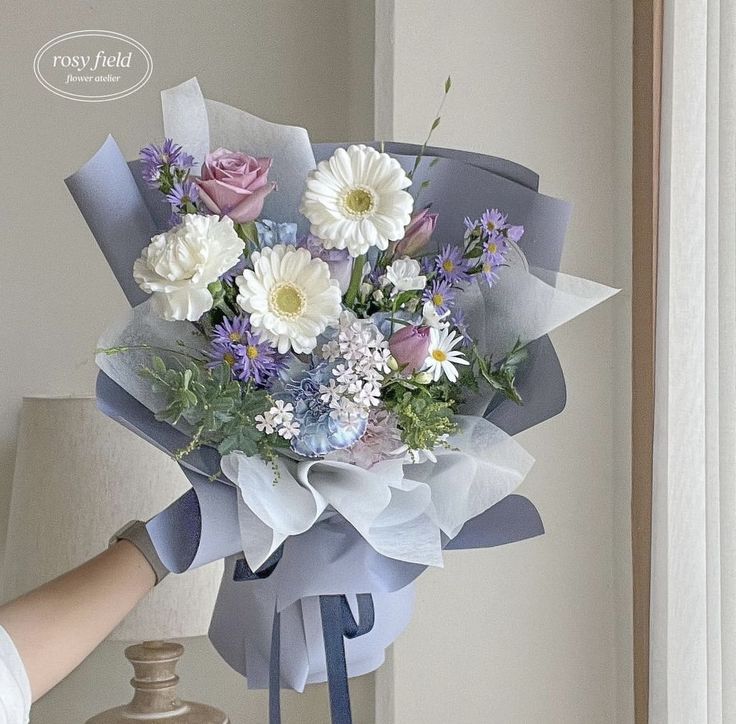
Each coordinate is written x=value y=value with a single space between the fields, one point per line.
x=325 y=357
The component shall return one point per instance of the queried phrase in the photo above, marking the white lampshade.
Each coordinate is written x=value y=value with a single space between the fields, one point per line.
x=79 y=477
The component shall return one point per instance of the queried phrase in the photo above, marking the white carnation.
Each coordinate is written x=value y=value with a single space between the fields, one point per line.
x=178 y=265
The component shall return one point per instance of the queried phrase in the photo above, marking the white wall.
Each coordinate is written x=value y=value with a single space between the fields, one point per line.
x=308 y=63
x=537 y=631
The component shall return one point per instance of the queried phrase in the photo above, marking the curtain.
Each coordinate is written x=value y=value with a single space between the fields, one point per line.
x=693 y=594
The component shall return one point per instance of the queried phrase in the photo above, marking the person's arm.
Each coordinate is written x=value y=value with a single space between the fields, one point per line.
x=56 y=626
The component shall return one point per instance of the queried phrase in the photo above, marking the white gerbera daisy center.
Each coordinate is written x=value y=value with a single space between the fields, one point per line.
x=358 y=202
x=439 y=355
x=287 y=300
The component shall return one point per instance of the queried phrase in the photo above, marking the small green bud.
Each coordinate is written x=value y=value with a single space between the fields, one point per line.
x=393 y=364
x=423 y=378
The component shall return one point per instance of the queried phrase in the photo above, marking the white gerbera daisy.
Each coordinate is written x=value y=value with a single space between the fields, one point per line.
x=290 y=297
x=442 y=355
x=356 y=200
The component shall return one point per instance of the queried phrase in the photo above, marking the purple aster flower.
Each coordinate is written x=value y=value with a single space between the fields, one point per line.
x=258 y=361
x=174 y=219
x=151 y=170
x=231 y=331
x=514 y=233
x=166 y=154
x=457 y=320
x=244 y=352
x=229 y=276
x=451 y=265
x=489 y=271
x=155 y=158
x=170 y=152
x=185 y=160
x=492 y=221
x=220 y=353
x=426 y=265
x=227 y=341
x=495 y=248
x=441 y=294
x=470 y=225
x=182 y=193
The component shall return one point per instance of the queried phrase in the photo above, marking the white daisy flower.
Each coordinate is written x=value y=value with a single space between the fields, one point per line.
x=332 y=391
x=417 y=457
x=432 y=318
x=405 y=274
x=368 y=395
x=356 y=200
x=331 y=350
x=282 y=412
x=265 y=423
x=290 y=297
x=442 y=355
x=289 y=429
x=345 y=374
x=380 y=360
x=348 y=414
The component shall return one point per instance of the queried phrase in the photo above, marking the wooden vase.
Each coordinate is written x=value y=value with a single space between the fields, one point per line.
x=155 y=699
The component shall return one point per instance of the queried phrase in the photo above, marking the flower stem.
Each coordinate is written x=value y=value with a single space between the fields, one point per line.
x=394 y=309
x=435 y=123
x=110 y=351
x=356 y=277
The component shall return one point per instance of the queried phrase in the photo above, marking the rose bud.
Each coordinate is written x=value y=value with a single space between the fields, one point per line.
x=417 y=233
x=339 y=260
x=234 y=184
x=409 y=347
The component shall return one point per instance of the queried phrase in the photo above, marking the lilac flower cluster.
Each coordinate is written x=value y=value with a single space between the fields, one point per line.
x=491 y=234
x=440 y=277
x=158 y=159
x=249 y=358
x=166 y=168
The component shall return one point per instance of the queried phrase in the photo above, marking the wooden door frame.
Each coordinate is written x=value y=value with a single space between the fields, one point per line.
x=646 y=103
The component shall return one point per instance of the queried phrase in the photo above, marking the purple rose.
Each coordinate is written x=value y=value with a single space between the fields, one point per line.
x=234 y=184
x=409 y=347
x=417 y=233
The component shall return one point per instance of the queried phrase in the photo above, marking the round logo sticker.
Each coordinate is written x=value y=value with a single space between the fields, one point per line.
x=93 y=65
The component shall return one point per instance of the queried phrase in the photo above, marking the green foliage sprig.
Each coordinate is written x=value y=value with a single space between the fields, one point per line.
x=220 y=411
x=424 y=412
x=501 y=377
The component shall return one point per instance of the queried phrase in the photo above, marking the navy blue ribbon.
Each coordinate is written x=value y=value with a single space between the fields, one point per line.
x=274 y=674
x=338 y=624
x=243 y=572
